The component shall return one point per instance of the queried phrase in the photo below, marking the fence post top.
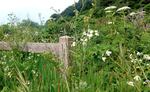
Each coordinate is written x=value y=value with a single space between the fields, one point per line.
x=65 y=39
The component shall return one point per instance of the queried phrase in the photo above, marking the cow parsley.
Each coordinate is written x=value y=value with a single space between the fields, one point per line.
x=110 y=8
x=123 y=8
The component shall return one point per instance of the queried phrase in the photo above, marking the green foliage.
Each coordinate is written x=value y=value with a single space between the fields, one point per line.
x=29 y=23
x=111 y=51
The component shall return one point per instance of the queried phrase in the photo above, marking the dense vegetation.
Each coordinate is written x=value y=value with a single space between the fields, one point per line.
x=110 y=52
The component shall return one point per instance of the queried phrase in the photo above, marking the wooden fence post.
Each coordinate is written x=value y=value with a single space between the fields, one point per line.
x=65 y=45
x=60 y=49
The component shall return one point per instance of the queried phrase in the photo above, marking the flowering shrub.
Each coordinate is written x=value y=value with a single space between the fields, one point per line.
x=117 y=55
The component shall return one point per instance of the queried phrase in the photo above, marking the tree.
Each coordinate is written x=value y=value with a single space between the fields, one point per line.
x=29 y=23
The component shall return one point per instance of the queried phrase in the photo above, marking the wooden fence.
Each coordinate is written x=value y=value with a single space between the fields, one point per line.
x=60 y=49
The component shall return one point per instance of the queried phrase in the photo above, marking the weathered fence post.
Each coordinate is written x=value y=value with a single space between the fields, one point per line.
x=65 y=45
x=60 y=49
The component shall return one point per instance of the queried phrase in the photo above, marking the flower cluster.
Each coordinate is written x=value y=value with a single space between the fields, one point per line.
x=142 y=56
x=130 y=83
x=137 y=18
x=73 y=44
x=132 y=13
x=147 y=82
x=137 y=13
x=88 y=35
x=106 y=54
x=146 y=57
x=109 y=23
x=123 y=8
x=136 y=79
x=139 y=61
x=110 y=8
x=108 y=11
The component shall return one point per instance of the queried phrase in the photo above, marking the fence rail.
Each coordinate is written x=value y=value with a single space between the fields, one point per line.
x=60 y=49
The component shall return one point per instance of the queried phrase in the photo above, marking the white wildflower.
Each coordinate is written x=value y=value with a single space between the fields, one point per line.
x=90 y=35
x=132 y=13
x=96 y=33
x=9 y=74
x=139 y=53
x=110 y=8
x=133 y=60
x=137 y=78
x=28 y=82
x=81 y=40
x=147 y=82
x=33 y=71
x=136 y=60
x=83 y=43
x=73 y=44
x=108 y=53
x=137 y=67
x=104 y=59
x=84 y=33
x=144 y=83
x=131 y=56
x=110 y=23
x=146 y=57
x=91 y=31
x=130 y=83
x=140 y=60
x=108 y=11
x=123 y=8
x=85 y=39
